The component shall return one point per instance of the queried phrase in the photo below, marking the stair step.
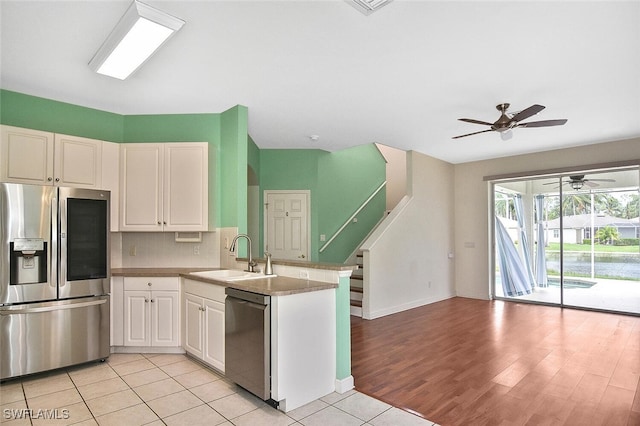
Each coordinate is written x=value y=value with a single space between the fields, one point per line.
x=356 y=290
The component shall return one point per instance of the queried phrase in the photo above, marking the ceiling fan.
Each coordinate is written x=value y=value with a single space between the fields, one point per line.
x=508 y=121
x=578 y=181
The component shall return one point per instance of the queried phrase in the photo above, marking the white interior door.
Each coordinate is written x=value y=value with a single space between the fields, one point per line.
x=287 y=224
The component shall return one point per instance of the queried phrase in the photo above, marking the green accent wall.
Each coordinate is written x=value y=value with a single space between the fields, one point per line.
x=253 y=157
x=339 y=182
x=346 y=179
x=233 y=170
x=31 y=112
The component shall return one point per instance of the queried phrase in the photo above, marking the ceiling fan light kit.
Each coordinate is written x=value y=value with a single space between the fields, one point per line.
x=576 y=182
x=508 y=121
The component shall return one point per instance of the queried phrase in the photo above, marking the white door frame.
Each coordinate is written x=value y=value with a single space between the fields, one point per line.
x=307 y=194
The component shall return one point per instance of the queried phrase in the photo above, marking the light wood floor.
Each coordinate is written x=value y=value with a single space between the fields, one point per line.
x=474 y=362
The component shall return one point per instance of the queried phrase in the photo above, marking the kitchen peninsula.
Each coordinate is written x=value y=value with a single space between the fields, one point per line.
x=307 y=349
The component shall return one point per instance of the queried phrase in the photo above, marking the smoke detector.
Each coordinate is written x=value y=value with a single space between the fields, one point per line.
x=368 y=6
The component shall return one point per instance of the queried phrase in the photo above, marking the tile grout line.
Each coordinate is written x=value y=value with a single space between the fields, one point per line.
x=84 y=401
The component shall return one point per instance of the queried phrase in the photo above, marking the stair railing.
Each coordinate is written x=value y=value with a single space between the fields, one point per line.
x=330 y=240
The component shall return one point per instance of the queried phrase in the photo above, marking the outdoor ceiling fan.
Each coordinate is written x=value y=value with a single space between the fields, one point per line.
x=578 y=181
x=508 y=121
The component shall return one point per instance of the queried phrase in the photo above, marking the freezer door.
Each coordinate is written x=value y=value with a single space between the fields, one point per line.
x=44 y=336
x=28 y=247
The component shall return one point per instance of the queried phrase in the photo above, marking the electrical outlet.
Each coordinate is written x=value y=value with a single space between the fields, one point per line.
x=196 y=249
x=132 y=251
x=323 y=237
x=304 y=275
x=226 y=242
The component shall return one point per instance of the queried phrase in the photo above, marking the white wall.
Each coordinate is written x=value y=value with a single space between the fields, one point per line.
x=472 y=202
x=406 y=258
x=396 y=173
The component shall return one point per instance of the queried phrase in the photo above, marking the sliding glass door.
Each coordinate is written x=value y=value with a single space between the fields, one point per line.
x=569 y=240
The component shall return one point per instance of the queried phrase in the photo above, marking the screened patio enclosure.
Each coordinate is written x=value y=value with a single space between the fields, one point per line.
x=569 y=239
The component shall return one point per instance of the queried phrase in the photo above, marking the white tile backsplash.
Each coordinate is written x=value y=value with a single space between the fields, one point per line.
x=160 y=250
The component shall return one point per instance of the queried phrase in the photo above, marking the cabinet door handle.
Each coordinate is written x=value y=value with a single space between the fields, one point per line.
x=146 y=300
x=57 y=179
x=164 y=223
x=49 y=179
x=149 y=284
x=152 y=300
x=159 y=223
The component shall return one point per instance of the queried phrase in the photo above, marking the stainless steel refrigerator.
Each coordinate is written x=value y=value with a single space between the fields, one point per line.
x=54 y=277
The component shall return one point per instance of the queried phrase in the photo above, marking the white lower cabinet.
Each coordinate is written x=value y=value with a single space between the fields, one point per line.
x=203 y=322
x=151 y=311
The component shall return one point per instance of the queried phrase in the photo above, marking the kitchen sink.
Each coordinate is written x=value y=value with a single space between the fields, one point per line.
x=231 y=275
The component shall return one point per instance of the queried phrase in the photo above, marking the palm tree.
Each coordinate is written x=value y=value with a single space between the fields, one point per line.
x=608 y=204
x=631 y=207
x=576 y=204
x=608 y=234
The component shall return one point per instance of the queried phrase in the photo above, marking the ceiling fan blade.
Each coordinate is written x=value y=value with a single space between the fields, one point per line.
x=526 y=113
x=471 y=120
x=474 y=133
x=600 y=180
x=545 y=123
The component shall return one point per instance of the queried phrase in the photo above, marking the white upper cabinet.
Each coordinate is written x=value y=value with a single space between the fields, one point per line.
x=44 y=158
x=77 y=162
x=164 y=186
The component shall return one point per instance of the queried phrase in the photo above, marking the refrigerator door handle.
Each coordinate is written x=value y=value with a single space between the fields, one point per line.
x=21 y=309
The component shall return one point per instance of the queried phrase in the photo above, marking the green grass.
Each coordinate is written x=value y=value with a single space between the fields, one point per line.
x=598 y=248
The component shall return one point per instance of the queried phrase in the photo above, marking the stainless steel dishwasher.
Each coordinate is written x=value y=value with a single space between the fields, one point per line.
x=248 y=341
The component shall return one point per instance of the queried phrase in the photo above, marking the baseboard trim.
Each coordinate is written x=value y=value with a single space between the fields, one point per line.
x=146 y=350
x=405 y=306
x=344 y=385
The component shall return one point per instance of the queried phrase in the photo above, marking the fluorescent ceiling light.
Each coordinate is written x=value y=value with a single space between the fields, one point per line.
x=138 y=34
x=368 y=6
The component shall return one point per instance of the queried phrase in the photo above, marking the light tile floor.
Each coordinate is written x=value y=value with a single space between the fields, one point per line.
x=156 y=389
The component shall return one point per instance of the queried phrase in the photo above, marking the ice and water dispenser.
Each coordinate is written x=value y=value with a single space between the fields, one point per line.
x=28 y=259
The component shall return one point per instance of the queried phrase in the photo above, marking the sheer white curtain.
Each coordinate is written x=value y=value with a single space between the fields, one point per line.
x=513 y=273
x=527 y=259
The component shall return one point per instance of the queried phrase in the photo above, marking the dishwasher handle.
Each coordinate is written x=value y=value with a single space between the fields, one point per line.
x=260 y=299
x=246 y=302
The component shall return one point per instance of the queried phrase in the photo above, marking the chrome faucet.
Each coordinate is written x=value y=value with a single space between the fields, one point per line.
x=251 y=266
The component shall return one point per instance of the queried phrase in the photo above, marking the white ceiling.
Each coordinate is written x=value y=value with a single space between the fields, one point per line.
x=401 y=76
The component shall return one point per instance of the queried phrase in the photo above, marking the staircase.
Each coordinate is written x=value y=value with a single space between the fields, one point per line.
x=356 y=285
